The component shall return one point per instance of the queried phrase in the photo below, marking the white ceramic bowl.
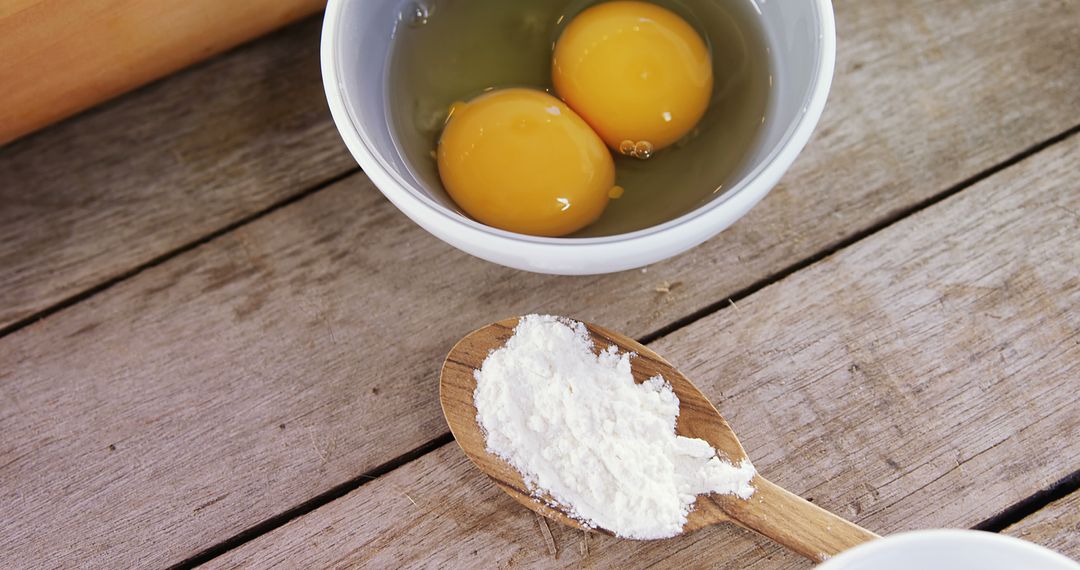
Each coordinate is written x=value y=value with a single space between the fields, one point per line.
x=356 y=43
x=948 y=549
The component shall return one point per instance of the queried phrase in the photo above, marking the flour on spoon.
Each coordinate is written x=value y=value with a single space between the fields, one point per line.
x=584 y=435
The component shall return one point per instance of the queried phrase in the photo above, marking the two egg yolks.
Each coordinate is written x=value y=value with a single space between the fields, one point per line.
x=639 y=78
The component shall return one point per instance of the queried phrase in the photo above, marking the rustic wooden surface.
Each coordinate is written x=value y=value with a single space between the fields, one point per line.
x=99 y=195
x=924 y=377
x=1056 y=526
x=923 y=99
x=221 y=385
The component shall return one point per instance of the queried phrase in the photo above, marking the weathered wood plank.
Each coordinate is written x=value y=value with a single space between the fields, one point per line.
x=190 y=369
x=924 y=377
x=189 y=155
x=98 y=195
x=1055 y=526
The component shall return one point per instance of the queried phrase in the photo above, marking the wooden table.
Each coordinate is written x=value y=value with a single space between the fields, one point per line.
x=220 y=342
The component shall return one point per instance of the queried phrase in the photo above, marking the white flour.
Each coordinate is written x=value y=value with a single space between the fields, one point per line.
x=581 y=432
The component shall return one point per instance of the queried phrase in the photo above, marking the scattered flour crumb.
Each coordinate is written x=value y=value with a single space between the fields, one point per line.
x=589 y=439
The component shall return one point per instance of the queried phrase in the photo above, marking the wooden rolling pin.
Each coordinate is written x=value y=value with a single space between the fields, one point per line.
x=58 y=58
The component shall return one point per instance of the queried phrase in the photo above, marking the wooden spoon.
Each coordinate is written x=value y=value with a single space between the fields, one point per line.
x=785 y=518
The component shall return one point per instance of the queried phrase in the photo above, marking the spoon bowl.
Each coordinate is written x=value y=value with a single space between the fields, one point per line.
x=771 y=511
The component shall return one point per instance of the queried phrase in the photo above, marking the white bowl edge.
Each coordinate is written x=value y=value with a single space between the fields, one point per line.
x=580 y=256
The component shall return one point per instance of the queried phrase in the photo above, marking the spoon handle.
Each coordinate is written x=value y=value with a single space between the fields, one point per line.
x=795 y=522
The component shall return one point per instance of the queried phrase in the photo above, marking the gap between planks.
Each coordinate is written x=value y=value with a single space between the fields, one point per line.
x=645 y=339
x=312 y=504
x=169 y=255
x=996 y=523
x=858 y=236
x=1026 y=507
x=1011 y=515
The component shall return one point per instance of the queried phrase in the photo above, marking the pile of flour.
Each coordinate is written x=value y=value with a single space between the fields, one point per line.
x=585 y=436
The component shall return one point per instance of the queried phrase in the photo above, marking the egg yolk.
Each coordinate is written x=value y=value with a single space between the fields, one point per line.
x=638 y=73
x=522 y=161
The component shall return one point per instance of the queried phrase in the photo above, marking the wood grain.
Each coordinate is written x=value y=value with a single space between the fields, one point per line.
x=924 y=377
x=923 y=98
x=94 y=197
x=1055 y=526
x=792 y=522
x=777 y=514
x=156 y=408
x=59 y=58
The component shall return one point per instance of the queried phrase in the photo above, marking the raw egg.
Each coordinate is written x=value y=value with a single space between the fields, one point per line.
x=639 y=74
x=521 y=160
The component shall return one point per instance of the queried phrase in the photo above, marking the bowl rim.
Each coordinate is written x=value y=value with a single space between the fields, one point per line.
x=698 y=224
x=918 y=539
